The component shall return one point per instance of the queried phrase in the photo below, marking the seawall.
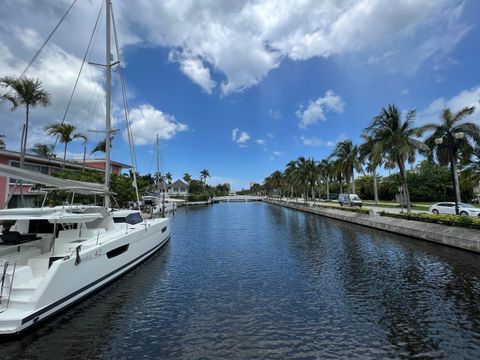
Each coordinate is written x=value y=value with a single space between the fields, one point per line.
x=462 y=238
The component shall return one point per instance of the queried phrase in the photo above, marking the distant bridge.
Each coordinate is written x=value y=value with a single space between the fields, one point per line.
x=238 y=198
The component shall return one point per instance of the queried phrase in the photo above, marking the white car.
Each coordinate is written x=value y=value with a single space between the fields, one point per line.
x=449 y=208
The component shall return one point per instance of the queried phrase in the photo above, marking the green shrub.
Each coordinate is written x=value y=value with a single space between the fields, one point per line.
x=444 y=219
x=193 y=198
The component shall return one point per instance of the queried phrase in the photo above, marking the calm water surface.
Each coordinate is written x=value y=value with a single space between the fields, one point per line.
x=259 y=281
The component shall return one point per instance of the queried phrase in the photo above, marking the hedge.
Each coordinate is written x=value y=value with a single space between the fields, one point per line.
x=472 y=222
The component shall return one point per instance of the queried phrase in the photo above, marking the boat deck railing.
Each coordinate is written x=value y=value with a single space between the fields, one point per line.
x=7 y=271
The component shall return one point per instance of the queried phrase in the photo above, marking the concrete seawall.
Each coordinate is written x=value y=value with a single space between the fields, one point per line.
x=462 y=238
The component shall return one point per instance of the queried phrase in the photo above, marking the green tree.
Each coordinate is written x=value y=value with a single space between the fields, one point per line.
x=348 y=161
x=325 y=170
x=398 y=139
x=2 y=142
x=187 y=177
x=449 y=135
x=371 y=151
x=204 y=174
x=66 y=134
x=26 y=92
x=43 y=150
x=169 y=177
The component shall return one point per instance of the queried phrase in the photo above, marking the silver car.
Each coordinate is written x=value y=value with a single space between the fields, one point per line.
x=449 y=208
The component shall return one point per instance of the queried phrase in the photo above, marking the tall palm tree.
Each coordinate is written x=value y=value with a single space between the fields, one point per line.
x=347 y=156
x=27 y=92
x=277 y=182
x=100 y=147
x=325 y=170
x=204 y=174
x=43 y=150
x=454 y=134
x=169 y=177
x=66 y=134
x=2 y=142
x=398 y=139
x=187 y=177
x=291 y=175
x=372 y=151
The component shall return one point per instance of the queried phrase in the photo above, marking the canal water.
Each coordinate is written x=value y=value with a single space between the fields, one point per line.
x=251 y=280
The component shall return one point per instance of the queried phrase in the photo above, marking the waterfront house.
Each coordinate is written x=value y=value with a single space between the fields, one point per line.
x=44 y=166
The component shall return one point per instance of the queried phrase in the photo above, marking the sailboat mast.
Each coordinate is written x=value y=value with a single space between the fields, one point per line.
x=158 y=167
x=108 y=77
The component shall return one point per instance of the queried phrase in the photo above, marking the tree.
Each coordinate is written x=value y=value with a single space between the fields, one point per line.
x=187 y=177
x=291 y=175
x=204 y=174
x=325 y=170
x=454 y=135
x=27 y=92
x=66 y=134
x=43 y=150
x=372 y=151
x=398 y=139
x=169 y=177
x=348 y=161
x=2 y=142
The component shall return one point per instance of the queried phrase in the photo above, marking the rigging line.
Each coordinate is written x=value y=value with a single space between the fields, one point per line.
x=80 y=72
x=127 y=120
x=47 y=40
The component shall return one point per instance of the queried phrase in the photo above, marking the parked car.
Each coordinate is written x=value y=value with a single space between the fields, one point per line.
x=349 y=200
x=449 y=208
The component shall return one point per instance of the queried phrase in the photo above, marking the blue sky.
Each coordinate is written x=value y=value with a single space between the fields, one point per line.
x=241 y=88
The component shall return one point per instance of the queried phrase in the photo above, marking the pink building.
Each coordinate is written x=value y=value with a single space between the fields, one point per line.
x=44 y=166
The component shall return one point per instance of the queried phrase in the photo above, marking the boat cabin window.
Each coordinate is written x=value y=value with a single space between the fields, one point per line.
x=131 y=219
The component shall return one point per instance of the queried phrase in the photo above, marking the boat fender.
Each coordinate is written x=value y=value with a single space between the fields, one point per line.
x=78 y=260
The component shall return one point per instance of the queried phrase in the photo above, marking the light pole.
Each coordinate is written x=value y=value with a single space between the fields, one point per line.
x=452 y=144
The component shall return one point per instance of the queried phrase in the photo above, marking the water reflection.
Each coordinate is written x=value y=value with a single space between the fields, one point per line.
x=259 y=281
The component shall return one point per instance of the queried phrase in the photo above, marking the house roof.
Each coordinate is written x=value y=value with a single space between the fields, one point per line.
x=179 y=184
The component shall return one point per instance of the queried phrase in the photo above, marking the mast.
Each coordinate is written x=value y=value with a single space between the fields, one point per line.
x=158 y=167
x=108 y=77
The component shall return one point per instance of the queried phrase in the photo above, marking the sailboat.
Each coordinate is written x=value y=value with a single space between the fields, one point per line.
x=53 y=257
x=162 y=205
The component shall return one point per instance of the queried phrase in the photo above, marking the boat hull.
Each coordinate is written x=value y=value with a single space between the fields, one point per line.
x=67 y=283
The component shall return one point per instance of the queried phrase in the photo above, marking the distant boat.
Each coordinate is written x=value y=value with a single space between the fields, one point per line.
x=52 y=257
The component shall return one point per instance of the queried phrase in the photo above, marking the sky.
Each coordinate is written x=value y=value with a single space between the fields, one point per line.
x=241 y=87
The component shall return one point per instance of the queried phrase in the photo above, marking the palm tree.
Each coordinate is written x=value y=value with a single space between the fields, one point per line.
x=291 y=175
x=66 y=134
x=348 y=161
x=277 y=182
x=187 y=177
x=204 y=174
x=471 y=164
x=169 y=177
x=325 y=170
x=28 y=92
x=398 y=139
x=372 y=151
x=448 y=136
x=2 y=142
x=43 y=150
x=100 y=147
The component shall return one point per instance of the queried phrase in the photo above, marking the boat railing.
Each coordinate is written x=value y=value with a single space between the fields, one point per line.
x=7 y=271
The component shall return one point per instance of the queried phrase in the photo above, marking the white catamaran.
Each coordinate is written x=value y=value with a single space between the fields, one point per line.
x=53 y=257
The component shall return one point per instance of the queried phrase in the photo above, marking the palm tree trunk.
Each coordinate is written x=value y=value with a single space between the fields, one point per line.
x=353 y=181
x=328 y=191
x=375 y=191
x=25 y=135
x=403 y=174
x=64 y=154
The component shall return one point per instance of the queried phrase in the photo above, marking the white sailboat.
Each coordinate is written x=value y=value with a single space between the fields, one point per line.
x=52 y=257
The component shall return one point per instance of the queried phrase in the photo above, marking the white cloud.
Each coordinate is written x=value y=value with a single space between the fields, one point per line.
x=241 y=41
x=195 y=70
x=243 y=138
x=469 y=97
x=240 y=137
x=278 y=153
x=235 y=133
x=147 y=122
x=271 y=136
x=316 y=110
x=260 y=142
x=314 y=141
x=405 y=91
